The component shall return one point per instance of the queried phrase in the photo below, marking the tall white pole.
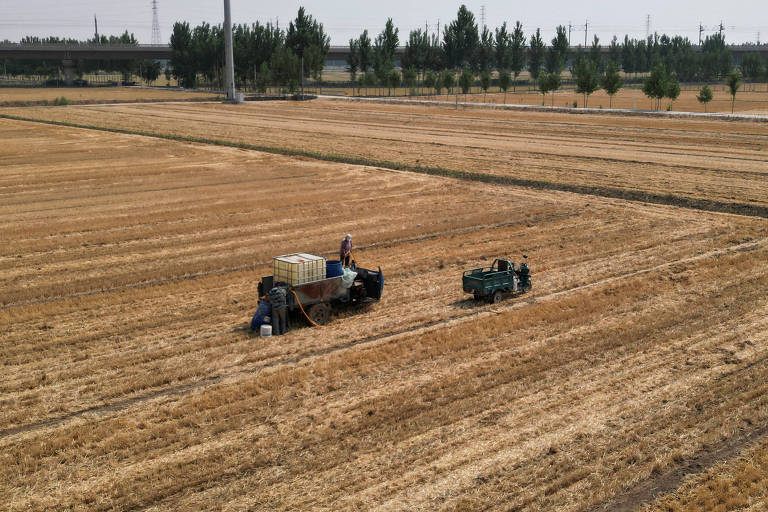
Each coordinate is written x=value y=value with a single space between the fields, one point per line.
x=229 y=61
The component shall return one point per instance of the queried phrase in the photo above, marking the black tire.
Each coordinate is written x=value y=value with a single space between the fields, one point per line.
x=496 y=297
x=319 y=313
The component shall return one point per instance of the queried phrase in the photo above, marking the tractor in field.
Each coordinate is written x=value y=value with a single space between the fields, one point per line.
x=314 y=295
x=500 y=279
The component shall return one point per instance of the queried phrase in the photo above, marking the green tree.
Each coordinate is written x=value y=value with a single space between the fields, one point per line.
x=370 y=80
x=558 y=52
x=536 y=55
x=416 y=51
x=612 y=81
x=393 y=81
x=655 y=86
x=307 y=40
x=484 y=55
x=365 y=61
x=673 y=88
x=704 y=96
x=504 y=82
x=182 y=57
x=353 y=59
x=596 y=56
x=485 y=82
x=752 y=67
x=466 y=78
x=410 y=78
x=150 y=70
x=586 y=78
x=285 y=68
x=549 y=82
x=501 y=45
x=517 y=52
x=461 y=39
x=430 y=80
x=263 y=77
x=448 y=79
x=716 y=57
x=628 y=55
x=384 y=52
x=614 y=51
x=733 y=81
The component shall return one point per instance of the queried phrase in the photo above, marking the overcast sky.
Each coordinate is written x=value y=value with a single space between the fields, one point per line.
x=743 y=19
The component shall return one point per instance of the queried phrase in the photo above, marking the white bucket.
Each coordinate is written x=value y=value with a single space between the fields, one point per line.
x=266 y=331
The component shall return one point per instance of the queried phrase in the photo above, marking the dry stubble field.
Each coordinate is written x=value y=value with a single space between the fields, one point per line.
x=129 y=380
x=19 y=95
x=697 y=161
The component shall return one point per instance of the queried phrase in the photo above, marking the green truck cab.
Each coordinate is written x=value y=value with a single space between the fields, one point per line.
x=491 y=283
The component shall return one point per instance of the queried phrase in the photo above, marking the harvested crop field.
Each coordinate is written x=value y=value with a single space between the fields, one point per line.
x=10 y=96
x=130 y=380
x=710 y=164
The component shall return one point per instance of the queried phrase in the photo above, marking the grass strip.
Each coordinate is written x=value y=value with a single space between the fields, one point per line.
x=593 y=190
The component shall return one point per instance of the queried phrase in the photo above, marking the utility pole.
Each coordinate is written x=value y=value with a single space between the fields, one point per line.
x=482 y=16
x=229 y=61
x=721 y=28
x=438 y=30
x=586 y=29
x=95 y=29
x=758 y=39
x=570 y=27
x=701 y=30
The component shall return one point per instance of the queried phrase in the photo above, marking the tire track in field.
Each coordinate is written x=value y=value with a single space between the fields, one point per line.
x=254 y=266
x=390 y=337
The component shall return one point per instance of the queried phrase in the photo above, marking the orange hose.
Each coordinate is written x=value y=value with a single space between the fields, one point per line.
x=302 y=310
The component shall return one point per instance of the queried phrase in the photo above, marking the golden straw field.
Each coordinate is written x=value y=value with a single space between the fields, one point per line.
x=20 y=95
x=634 y=376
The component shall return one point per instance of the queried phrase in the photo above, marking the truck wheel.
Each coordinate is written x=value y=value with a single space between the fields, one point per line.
x=496 y=297
x=319 y=313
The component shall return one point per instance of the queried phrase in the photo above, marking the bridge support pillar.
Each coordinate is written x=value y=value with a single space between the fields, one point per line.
x=68 y=71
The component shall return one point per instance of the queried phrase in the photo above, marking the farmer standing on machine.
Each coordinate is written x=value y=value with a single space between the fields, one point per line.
x=345 y=252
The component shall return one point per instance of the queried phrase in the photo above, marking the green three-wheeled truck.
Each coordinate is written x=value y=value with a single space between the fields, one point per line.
x=492 y=283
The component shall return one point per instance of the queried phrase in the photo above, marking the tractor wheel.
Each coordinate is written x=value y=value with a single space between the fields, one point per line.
x=319 y=313
x=496 y=297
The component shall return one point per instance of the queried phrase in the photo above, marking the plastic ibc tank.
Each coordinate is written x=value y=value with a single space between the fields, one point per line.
x=333 y=268
x=299 y=268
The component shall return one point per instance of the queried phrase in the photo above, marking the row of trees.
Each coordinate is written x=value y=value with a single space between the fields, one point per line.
x=52 y=68
x=464 y=45
x=263 y=54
